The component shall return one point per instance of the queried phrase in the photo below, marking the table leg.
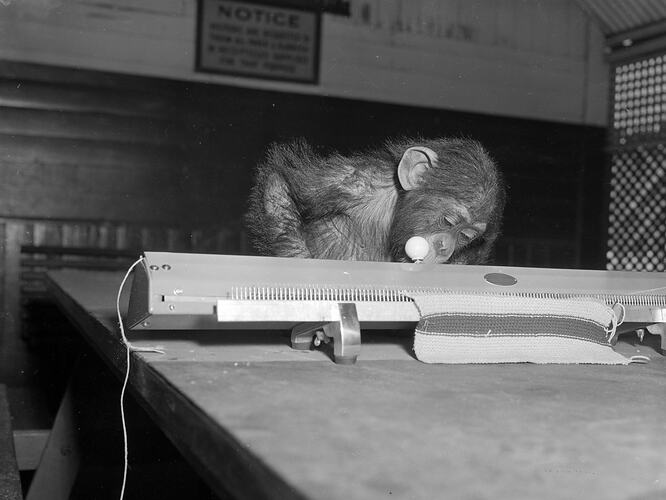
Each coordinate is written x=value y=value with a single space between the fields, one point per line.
x=61 y=458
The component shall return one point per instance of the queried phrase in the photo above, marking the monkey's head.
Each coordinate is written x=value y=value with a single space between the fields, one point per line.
x=451 y=194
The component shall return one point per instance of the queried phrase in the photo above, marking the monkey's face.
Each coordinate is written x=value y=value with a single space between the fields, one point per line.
x=454 y=235
x=447 y=246
x=453 y=197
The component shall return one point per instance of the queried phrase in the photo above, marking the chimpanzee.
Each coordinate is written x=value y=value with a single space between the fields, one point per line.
x=365 y=206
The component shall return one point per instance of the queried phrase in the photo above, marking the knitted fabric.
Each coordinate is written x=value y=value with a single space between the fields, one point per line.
x=478 y=328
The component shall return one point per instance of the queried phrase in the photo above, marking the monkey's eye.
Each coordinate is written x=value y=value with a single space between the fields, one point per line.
x=468 y=234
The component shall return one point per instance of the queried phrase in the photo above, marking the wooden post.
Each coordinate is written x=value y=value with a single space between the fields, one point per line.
x=10 y=483
x=13 y=353
x=60 y=461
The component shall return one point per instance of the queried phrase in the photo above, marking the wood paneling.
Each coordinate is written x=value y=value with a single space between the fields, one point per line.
x=69 y=97
x=100 y=126
x=91 y=146
x=80 y=79
x=94 y=153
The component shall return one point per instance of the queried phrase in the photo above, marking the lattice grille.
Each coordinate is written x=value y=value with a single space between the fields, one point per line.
x=639 y=107
x=637 y=211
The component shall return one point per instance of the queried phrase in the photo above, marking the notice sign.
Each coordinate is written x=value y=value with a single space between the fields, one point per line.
x=251 y=39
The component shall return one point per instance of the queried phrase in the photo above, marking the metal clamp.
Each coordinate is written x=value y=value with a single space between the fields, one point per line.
x=659 y=329
x=345 y=333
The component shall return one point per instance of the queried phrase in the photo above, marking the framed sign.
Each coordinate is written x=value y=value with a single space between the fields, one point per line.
x=258 y=40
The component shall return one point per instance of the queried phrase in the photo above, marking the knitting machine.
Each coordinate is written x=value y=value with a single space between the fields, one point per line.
x=322 y=300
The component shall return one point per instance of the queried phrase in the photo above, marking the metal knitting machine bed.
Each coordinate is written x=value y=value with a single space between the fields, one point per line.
x=320 y=300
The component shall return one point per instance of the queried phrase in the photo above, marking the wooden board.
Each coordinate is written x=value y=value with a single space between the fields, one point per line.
x=16 y=93
x=98 y=154
x=85 y=125
x=269 y=422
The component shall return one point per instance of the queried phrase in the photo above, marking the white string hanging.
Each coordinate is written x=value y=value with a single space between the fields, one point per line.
x=128 y=348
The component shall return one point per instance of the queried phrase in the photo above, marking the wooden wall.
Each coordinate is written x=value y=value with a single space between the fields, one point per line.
x=77 y=143
x=540 y=60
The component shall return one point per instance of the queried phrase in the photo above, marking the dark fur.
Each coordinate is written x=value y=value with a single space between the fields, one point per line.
x=351 y=207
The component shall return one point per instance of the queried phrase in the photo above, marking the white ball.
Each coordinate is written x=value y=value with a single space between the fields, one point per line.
x=417 y=248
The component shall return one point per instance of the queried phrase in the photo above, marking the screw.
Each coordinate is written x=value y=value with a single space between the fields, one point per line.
x=166 y=267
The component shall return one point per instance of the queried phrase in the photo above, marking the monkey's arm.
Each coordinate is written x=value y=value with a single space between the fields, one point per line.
x=305 y=205
x=274 y=220
x=295 y=201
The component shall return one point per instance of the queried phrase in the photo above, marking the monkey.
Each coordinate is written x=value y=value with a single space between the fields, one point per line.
x=366 y=205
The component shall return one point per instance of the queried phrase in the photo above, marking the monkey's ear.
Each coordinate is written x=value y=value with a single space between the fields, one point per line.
x=413 y=164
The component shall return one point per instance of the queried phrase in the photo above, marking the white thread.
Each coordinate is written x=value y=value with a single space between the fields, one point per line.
x=639 y=359
x=615 y=321
x=128 y=348
x=623 y=312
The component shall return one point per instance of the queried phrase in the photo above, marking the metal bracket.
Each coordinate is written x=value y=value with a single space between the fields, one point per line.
x=659 y=329
x=345 y=333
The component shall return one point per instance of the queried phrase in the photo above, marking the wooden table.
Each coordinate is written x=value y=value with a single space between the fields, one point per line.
x=263 y=421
